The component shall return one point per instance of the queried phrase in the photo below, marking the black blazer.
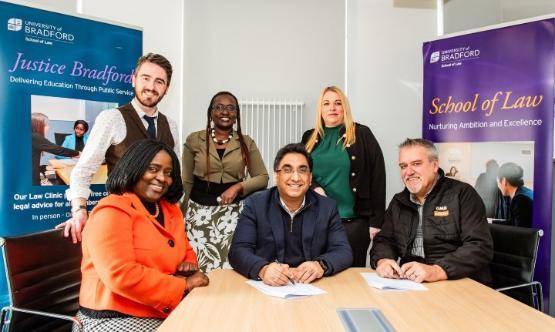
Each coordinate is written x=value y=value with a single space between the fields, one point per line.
x=367 y=174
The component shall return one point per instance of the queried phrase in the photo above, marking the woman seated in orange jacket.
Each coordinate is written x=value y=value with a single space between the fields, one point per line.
x=137 y=263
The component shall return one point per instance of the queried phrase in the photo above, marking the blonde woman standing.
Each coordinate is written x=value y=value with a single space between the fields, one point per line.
x=348 y=167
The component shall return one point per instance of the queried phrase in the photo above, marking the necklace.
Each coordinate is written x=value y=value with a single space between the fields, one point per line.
x=220 y=142
x=148 y=207
x=157 y=211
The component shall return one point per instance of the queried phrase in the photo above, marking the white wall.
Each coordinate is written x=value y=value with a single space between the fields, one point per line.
x=517 y=9
x=268 y=49
x=63 y=5
x=385 y=71
x=460 y=15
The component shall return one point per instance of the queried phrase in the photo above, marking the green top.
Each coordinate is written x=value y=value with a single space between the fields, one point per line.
x=331 y=170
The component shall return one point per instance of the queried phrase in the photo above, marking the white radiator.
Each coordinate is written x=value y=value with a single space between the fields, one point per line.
x=272 y=124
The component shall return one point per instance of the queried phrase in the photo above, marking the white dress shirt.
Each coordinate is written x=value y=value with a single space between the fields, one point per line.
x=109 y=129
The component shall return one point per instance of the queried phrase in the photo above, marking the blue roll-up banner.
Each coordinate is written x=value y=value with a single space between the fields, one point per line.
x=60 y=68
x=488 y=103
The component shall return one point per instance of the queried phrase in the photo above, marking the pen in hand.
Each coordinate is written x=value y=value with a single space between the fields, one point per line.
x=288 y=277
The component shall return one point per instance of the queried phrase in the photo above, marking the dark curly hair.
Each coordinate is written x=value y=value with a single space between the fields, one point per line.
x=134 y=163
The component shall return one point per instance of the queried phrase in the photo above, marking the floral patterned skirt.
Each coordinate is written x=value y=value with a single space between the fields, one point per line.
x=210 y=230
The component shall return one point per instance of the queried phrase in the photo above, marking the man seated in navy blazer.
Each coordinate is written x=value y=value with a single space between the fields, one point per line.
x=288 y=231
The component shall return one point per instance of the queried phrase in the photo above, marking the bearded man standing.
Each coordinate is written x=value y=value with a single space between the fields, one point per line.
x=116 y=129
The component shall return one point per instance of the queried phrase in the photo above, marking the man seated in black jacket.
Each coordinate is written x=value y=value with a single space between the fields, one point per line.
x=436 y=228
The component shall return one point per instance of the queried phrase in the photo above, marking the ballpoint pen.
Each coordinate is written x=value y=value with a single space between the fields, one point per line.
x=288 y=277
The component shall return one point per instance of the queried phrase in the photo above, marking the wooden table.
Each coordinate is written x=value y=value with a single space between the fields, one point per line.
x=229 y=304
x=63 y=170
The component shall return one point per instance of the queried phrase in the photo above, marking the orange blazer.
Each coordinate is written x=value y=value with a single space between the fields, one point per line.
x=129 y=259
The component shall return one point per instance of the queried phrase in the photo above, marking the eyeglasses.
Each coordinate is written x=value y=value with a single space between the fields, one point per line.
x=221 y=108
x=287 y=170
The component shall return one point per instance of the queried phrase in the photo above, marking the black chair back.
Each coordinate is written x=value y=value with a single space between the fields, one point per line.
x=44 y=273
x=514 y=259
x=59 y=138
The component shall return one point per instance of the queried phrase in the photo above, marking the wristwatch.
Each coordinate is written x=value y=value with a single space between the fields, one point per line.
x=78 y=207
x=323 y=265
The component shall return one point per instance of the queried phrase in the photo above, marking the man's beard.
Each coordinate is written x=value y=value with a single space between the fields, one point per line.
x=149 y=101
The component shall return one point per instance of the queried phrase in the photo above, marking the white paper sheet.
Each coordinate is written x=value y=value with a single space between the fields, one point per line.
x=287 y=291
x=391 y=284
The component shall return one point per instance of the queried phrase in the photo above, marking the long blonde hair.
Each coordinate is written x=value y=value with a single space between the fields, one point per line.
x=319 y=126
